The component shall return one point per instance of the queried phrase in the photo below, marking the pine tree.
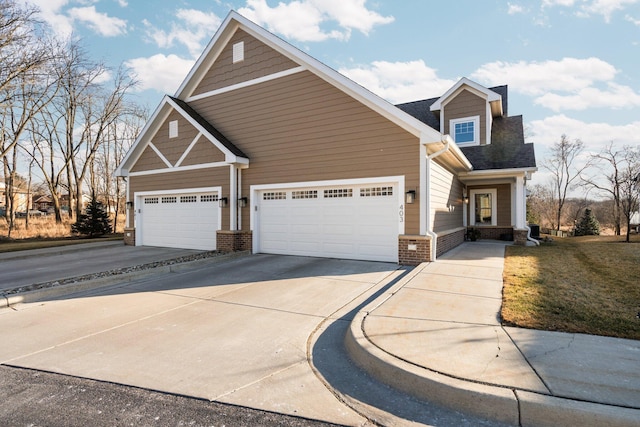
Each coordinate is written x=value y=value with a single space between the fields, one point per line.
x=94 y=221
x=588 y=225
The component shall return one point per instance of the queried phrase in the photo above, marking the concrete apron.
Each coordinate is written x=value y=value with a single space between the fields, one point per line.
x=233 y=333
x=437 y=336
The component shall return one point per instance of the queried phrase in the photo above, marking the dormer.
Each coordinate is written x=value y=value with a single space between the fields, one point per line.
x=466 y=112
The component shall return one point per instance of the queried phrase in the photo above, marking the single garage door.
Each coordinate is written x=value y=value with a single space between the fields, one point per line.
x=179 y=220
x=350 y=222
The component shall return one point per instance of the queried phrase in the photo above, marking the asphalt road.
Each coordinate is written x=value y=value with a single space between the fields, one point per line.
x=35 y=398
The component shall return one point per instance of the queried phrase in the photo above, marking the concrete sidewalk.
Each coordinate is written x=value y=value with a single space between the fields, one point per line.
x=437 y=335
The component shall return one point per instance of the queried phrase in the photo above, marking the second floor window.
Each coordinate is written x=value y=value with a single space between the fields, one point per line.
x=465 y=131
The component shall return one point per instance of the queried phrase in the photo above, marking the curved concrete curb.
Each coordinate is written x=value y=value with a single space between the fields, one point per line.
x=496 y=403
x=516 y=407
x=7 y=301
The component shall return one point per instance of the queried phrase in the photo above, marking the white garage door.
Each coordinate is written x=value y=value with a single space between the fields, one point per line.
x=350 y=222
x=179 y=220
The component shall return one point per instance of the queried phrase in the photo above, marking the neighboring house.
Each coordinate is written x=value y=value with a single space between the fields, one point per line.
x=22 y=198
x=42 y=202
x=264 y=148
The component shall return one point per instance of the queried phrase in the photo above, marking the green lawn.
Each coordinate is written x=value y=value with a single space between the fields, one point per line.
x=587 y=284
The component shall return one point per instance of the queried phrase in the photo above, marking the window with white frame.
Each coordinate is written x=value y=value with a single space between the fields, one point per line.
x=484 y=206
x=465 y=131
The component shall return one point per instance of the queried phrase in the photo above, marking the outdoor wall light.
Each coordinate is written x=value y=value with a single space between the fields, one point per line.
x=242 y=202
x=223 y=202
x=465 y=199
x=410 y=197
x=129 y=205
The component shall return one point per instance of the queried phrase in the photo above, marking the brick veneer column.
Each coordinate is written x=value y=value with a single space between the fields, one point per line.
x=129 y=236
x=234 y=241
x=413 y=250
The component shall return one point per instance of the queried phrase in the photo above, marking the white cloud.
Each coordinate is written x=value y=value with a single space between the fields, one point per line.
x=595 y=135
x=174 y=70
x=615 y=96
x=123 y=3
x=568 y=84
x=101 y=23
x=194 y=27
x=536 y=78
x=50 y=12
x=586 y=8
x=604 y=7
x=514 y=9
x=632 y=20
x=302 y=19
x=62 y=21
x=399 y=81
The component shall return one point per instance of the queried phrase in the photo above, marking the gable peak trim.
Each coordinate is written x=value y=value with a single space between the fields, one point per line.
x=465 y=83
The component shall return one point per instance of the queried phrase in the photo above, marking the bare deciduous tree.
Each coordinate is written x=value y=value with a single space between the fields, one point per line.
x=564 y=170
x=616 y=177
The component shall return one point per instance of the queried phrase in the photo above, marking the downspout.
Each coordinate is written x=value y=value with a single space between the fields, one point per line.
x=434 y=236
x=529 y=238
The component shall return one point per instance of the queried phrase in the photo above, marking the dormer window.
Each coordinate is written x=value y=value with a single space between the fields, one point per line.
x=465 y=131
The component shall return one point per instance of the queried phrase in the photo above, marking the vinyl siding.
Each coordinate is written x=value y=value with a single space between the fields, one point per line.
x=203 y=152
x=209 y=177
x=173 y=148
x=446 y=199
x=259 y=60
x=466 y=104
x=149 y=160
x=300 y=128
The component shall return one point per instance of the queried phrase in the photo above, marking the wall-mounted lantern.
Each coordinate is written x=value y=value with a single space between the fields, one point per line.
x=410 y=196
x=242 y=202
x=223 y=202
x=129 y=205
x=465 y=199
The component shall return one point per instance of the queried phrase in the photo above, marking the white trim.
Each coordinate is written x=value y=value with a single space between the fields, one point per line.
x=162 y=157
x=488 y=94
x=255 y=189
x=248 y=83
x=233 y=197
x=188 y=150
x=424 y=184
x=494 y=206
x=180 y=169
x=229 y=156
x=476 y=130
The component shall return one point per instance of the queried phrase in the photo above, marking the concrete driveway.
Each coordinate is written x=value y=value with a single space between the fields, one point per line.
x=234 y=332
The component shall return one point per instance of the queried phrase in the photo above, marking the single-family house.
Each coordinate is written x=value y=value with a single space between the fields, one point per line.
x=265 y=148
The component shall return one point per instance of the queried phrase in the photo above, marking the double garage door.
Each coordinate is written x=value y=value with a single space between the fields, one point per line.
x=349 y=222
x=179 y=220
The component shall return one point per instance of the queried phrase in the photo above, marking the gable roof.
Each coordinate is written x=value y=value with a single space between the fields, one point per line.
x=235 y=21
x=507 y=150
x=493 y=98
x=232 y=153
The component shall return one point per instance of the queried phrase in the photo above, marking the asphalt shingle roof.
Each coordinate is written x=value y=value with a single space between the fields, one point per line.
x=507 y=149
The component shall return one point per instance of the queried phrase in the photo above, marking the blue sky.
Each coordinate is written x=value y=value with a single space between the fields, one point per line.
x=572 y=66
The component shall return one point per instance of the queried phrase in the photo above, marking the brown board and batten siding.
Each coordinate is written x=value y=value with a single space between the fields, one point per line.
x=259 y=61
x=446 y=199
x=467 y=104
x=300 y=128
x=169 y=181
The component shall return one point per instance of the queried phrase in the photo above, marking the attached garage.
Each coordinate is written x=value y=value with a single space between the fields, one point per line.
x=337 y=221
x=178 y=219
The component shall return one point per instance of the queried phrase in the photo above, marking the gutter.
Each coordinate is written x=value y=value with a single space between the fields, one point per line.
x=446 y=139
